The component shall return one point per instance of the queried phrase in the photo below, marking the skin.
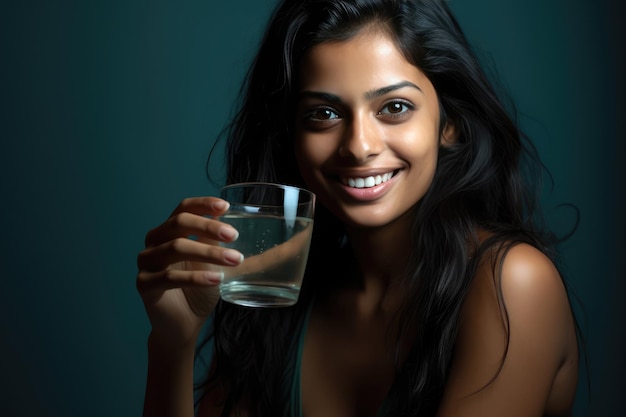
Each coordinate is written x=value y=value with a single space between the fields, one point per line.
x=365 y=111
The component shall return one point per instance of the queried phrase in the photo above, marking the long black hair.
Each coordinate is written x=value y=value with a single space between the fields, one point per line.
x=486 y=180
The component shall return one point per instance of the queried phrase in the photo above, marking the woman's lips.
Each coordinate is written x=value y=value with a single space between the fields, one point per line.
x=367 y=182
x=369 y=188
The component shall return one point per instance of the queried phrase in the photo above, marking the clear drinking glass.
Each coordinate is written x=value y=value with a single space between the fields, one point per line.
x=275 y=224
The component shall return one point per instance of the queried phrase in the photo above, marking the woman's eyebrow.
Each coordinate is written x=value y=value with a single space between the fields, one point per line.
x=369 y=95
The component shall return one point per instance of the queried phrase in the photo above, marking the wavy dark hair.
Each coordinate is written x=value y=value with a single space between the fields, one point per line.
x=487 y=180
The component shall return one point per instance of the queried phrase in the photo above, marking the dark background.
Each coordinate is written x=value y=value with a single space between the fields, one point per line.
x=108 y=110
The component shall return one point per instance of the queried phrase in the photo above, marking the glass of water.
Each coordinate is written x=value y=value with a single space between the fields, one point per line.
x=275 y=224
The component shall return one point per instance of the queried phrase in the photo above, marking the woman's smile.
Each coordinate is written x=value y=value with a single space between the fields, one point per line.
x=367 y=182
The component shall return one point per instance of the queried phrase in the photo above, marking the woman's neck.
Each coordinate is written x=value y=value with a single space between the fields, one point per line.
x=381 y=255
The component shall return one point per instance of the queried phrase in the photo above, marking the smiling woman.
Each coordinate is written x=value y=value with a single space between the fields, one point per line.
x=429 y=291
x=366 y=114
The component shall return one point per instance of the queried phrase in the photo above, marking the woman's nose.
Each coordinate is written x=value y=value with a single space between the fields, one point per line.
x=361 y=139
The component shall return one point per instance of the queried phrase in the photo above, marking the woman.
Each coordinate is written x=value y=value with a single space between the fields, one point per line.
x=429 y=289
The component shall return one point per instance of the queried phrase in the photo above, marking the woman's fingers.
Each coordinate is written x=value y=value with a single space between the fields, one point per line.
x=177 y=278
x=203 y=206
x=188 y=224
x=184 y=251
x=181 y=249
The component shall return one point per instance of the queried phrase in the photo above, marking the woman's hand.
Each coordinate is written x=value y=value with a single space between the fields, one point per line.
x=179 y=269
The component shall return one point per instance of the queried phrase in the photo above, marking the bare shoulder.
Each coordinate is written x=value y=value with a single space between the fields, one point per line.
x=516 y=351
x=529 y=283
x=529 y=276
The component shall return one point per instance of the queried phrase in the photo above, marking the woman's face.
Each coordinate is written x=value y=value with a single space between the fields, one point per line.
x=367 y=129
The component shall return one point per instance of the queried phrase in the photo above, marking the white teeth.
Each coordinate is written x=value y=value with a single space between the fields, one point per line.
x=368 y=182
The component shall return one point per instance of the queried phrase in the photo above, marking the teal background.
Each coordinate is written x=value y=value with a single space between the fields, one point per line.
x=108 y=111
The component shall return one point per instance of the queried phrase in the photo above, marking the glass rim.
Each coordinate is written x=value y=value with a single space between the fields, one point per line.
x=265 y=184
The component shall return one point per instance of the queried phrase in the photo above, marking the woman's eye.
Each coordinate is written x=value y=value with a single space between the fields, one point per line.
x=395 y=108
x=322 y=114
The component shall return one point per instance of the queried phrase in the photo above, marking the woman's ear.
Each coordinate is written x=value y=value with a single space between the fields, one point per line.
x=449 y=135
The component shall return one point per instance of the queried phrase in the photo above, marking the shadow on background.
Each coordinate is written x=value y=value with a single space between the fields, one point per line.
x=108 y=113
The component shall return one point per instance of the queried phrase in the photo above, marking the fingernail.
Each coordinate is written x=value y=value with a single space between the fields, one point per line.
x=228 y=233
x=214 y=277
x=232 y=256
x=220 y=205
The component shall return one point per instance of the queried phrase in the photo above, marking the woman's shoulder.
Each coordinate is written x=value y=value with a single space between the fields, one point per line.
x=516 y=266
x=523 y=274
x=523 y=282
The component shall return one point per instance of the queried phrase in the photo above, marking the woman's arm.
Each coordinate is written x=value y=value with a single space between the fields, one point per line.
x=169 y=388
